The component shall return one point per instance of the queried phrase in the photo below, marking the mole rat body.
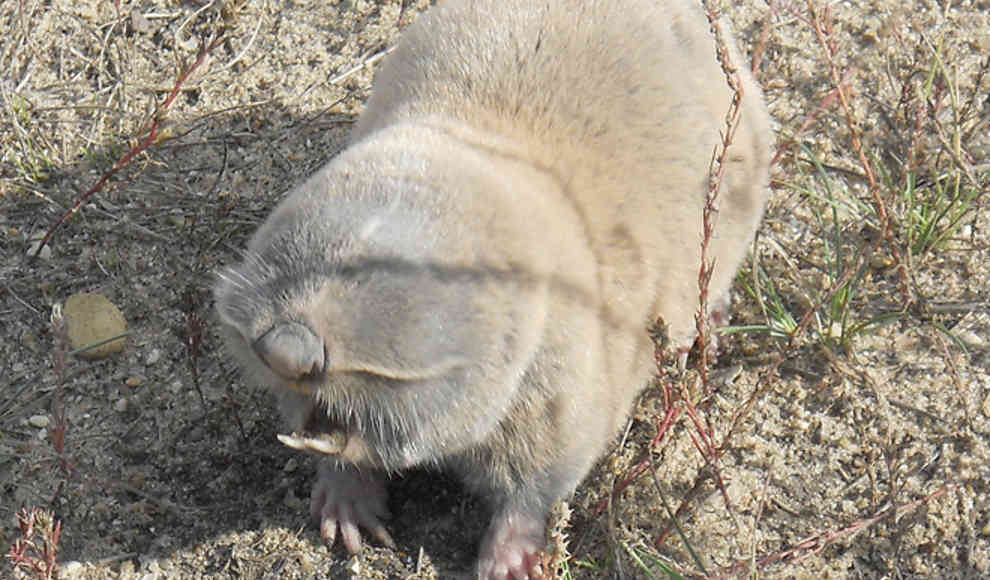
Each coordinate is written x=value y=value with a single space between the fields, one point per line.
x=469 y=284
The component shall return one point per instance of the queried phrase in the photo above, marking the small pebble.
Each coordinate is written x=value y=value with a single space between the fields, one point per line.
x=137 y=479
x=880 y=262
x=290 y=500
x=835 y=330
x=91 y=319
x=121 y=405
x=39 y=421
x=188 y=44
x=153 y=357
x=29 y=340
x=46 y=252
x=71 y=569
x=354 y=565
x=152 y=566
x=970 y=338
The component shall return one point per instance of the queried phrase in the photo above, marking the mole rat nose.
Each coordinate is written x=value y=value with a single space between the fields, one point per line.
x=292 y=350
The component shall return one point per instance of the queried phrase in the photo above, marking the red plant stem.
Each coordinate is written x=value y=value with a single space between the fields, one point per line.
x=152 y=130
x=815 y=544
x=821 y=21
x=710 y=212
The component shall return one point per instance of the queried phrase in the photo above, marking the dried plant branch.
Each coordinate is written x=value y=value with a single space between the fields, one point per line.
x=60 y=425
x=761 y=45
x=822 y=25
x=37 y=554
x=704 y=441
x=154 y=136
x=813 y=545
x=809 y=120
x=716 y=173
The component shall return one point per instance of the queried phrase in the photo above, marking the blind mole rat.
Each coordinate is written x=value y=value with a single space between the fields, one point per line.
x=469 y=284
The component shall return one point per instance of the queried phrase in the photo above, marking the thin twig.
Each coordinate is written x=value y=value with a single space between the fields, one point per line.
x=815 y=544
x=821 y=22
x=716 y=173
x=153 y=137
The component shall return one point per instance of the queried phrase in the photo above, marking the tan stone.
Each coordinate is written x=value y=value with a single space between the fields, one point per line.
x=91 y=319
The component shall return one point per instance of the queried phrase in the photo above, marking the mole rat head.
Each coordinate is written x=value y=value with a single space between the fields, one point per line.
x=368 y=315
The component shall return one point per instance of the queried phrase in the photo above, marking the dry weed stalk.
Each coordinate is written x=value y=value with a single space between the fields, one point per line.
x=193 y=336
x=716 y=172
x=671 y=414
x=756 y=61
x=194 y=332
x=821 y=21
x=827 y=101
x=554 y=561
x=813 y=545
x=37 y=547
x=60 y=426
x=154 y=135
x=704 y=342
x=704 y=441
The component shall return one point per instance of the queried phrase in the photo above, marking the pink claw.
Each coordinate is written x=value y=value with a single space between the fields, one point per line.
x=348 y=499
x=512 y=549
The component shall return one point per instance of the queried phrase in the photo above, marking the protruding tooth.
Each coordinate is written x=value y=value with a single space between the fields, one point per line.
x=292 y=441
x=325 y=443
x=326 y=446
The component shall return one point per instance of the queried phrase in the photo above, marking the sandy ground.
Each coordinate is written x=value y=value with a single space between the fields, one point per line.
x=849 y=453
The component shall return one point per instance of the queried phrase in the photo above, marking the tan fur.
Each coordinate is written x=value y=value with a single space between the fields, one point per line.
x=522 y=198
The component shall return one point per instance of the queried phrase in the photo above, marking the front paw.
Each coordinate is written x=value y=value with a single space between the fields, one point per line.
x=348 y=499
x=512 y=548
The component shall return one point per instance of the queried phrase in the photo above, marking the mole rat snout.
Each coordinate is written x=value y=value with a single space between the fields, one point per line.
x=292 y=350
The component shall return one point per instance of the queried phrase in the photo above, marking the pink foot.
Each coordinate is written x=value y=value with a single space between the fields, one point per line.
x=349 y=499
x=512 y=548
